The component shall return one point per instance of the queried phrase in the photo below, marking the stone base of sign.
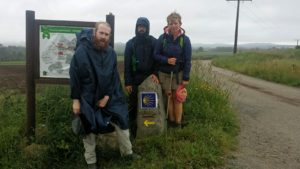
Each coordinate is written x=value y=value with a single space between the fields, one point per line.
x=151 y=116
x=108 y=140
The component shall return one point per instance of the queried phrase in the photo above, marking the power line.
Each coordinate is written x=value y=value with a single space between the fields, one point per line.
x=237 y=24
x=267 y=16
x=263 y=18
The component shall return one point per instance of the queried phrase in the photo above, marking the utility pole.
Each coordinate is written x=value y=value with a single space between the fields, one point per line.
x=297 y=47
x=30 y=78
x=237 y=24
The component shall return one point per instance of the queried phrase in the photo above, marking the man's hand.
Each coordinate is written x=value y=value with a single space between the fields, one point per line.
x=154 y=78
x=172 y=61
x=76 y=106
x=184 y=82
x=102 y=103
x=129 y=89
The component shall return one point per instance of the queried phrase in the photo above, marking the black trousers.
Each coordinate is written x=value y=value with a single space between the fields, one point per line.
x=132 y=106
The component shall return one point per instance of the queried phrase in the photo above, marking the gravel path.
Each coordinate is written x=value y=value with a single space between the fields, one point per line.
x=269 y=116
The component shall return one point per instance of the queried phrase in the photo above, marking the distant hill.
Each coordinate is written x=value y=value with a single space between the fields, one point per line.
x=120 y=46
x=12 y=53
x=20 y=44
x=245 y=46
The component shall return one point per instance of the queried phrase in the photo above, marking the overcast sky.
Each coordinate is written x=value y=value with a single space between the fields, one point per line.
x=205 y=21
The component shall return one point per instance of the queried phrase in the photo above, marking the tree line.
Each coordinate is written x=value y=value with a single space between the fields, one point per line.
x=12 y=53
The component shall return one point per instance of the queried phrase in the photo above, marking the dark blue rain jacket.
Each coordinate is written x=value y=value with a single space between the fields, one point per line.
x=139 y=60
x=168 y=47
x=94 y=74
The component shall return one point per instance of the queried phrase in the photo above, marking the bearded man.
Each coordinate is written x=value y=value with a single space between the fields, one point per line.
x=97 y=93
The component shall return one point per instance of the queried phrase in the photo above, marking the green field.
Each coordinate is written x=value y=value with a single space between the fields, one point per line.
x=196 y=55
x=205 y=55
x=281 y=65
x=12 y=63
x=119 y=58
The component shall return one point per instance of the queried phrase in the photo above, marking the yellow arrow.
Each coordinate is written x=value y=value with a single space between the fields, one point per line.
x=146 y=123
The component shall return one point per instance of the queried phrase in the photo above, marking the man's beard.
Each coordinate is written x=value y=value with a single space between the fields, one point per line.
x=100 y=44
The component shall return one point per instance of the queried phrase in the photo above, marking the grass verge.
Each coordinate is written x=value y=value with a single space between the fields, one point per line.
x=203 y=143
x=280 y=66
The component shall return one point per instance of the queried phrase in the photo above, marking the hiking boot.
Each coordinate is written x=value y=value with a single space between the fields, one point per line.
x=132 y=156
x=171 y=124
x=184 y=124
x=177 y=126
x=92 y=166
x=174 y=125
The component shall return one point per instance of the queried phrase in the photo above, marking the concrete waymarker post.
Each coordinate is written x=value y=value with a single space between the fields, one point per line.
x=151 y=114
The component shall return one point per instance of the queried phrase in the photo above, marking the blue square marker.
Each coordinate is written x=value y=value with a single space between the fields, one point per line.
x=148 y=100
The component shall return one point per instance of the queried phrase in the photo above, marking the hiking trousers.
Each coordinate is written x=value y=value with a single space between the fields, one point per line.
x=132 y=106
x=89 y=142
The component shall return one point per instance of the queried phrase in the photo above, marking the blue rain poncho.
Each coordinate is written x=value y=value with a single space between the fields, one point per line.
x=94 y=74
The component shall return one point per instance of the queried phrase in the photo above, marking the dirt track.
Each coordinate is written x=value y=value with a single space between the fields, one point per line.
x=12 y=77
x=269 y=116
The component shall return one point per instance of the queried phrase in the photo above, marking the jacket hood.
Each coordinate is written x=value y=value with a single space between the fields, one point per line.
x=84 y=37
x=144 y=22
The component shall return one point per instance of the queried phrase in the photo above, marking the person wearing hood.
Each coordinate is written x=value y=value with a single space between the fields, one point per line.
x=96 y=90
x=173 y=53
x=139 y=64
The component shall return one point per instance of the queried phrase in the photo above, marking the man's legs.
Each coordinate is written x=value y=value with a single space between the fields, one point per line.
x=133 y=111
x=177 y=110
x=89 y=142
x=174 y=111
x=170 y=108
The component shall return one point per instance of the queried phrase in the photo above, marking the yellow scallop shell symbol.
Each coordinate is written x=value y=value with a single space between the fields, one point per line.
x=146 y=100
x=149 y=100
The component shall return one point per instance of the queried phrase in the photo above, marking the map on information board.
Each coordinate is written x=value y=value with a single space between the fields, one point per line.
x=57 y=45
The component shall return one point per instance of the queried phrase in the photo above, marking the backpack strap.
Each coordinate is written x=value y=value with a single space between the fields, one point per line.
x=136 y=60
x=181 y=41
x=164 y=41
x=181 y=44
x=133 y=57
